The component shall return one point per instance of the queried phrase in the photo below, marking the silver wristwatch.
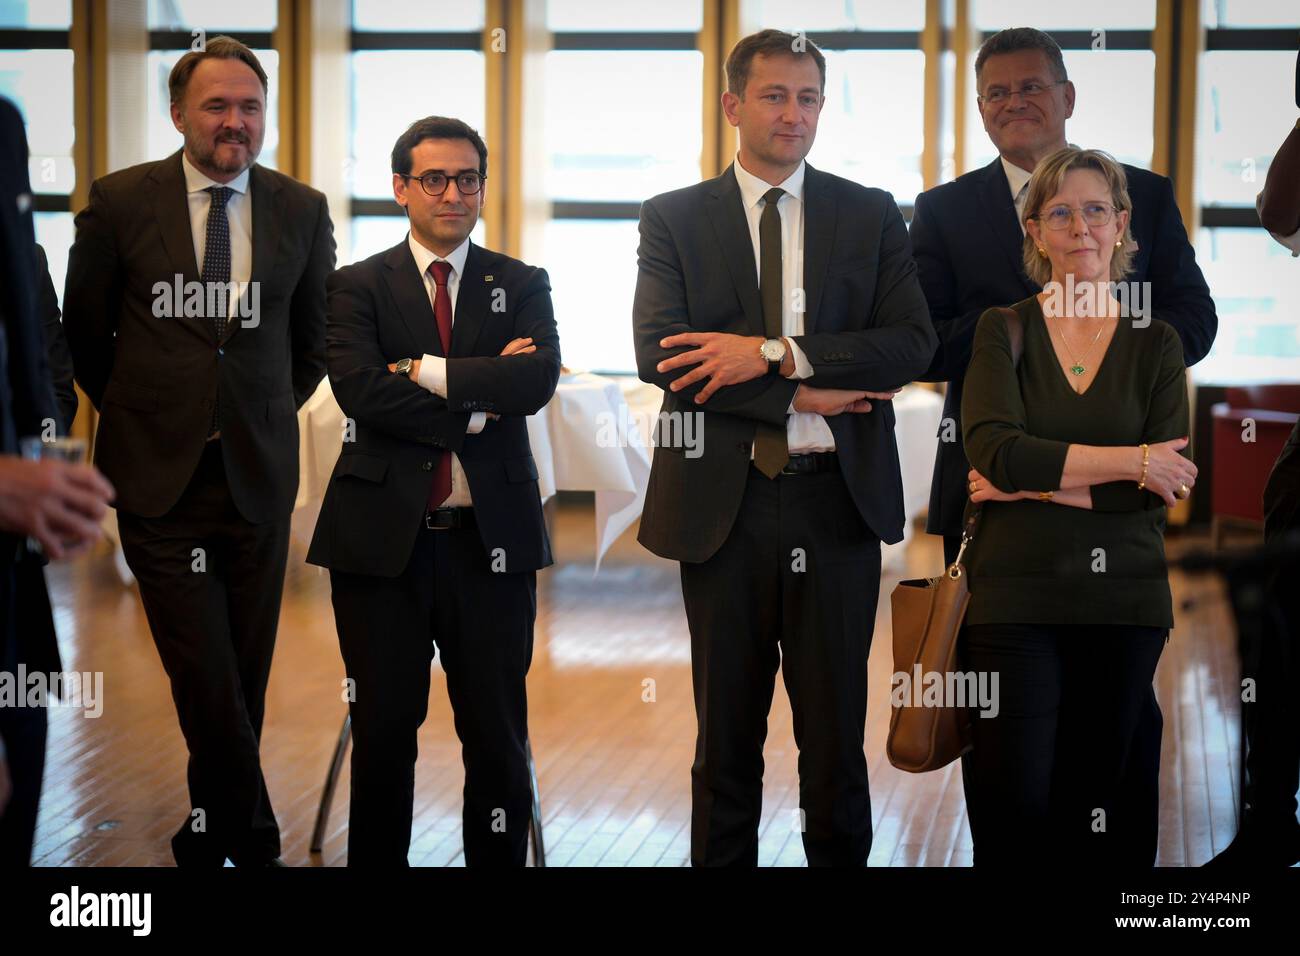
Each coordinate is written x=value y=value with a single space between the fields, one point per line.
x=404 y=367
x=773 y=350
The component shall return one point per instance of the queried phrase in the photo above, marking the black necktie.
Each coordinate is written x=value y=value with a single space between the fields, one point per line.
x=771 y=451
x=216 y=268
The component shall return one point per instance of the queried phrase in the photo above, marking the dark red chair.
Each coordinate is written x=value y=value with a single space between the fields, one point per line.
x=1240 y=468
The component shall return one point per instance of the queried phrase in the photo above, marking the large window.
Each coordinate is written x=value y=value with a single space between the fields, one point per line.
x=623 y=121
x=172 y=32
x=1245 y=108
x=872 y=128
x=408 y=61
x=36 y=74
x=1106 y=45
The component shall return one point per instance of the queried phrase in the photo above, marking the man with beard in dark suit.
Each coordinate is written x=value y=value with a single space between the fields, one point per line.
x=195 y=311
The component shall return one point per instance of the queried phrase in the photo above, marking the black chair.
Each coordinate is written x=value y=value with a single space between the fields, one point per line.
x=336 y=767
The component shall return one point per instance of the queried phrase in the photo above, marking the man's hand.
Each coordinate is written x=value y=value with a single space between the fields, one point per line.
x=722 y=358
x=58 y=503
x=836 y=401
x=519 y=347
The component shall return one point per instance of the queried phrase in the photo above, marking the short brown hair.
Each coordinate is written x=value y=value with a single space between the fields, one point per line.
x=436 y=127
x=221 y=47
x=768 y=43
x=1046 y=182
x=1022 y=38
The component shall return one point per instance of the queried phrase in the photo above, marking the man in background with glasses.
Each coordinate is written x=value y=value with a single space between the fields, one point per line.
x=432 y=523
x=967 y=238
x=198 y=397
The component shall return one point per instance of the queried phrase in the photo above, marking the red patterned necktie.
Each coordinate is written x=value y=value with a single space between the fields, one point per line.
x=440 y=271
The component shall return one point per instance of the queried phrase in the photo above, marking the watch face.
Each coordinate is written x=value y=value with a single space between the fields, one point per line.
x=773 y=350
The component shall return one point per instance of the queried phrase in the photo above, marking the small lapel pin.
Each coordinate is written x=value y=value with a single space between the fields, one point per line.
x=487 y=278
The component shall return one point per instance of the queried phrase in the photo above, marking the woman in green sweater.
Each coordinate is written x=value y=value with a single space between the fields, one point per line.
x=1077 y=446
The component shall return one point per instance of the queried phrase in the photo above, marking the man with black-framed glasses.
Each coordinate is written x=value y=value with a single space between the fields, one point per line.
x=967 y=238
x=432 y=524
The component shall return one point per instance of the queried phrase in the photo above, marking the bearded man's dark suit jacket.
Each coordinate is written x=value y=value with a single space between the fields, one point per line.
x=27 y=634
x=154 y=381
x=400 y=587
x=968 y=248
x=866 y=328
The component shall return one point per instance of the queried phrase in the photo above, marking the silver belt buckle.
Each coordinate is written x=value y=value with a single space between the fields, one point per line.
x=428 y=522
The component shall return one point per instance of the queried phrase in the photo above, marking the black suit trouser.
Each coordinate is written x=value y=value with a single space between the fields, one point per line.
x=211 y=584
x=481 y=622
x=1054 y=770
x=26 y=609
x=793 y=586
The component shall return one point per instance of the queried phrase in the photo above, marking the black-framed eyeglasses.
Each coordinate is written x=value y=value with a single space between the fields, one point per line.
x=1030 y=90
x=435 y=183
x=1060 y=217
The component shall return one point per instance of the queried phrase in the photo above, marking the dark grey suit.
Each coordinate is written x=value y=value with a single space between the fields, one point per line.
x=780 y=572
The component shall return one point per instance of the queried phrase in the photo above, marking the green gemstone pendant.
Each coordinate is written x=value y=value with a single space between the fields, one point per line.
x=1077 y=369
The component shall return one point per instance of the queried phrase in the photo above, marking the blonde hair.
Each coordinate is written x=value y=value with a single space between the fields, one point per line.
x=1046 y=183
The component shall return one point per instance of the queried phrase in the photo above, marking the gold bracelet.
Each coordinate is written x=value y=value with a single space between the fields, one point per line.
x=1146 y=460
x=1045 y=495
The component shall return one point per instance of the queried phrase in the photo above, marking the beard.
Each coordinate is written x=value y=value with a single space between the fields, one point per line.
x=204 y=152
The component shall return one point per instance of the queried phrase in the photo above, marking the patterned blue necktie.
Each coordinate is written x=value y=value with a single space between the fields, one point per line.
x=216 y=268
x=216 y=249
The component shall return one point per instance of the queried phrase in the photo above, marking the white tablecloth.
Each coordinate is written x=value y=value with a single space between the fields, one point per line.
x=917 y=413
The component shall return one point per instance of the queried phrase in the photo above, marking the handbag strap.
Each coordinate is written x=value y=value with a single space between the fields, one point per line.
x=1015 y=334
x=1016 y=339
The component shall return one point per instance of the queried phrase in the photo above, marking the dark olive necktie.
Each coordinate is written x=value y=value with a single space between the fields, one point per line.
x=771 y=452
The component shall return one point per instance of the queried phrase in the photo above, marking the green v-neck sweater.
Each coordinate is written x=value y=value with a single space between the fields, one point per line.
x=1040 y=562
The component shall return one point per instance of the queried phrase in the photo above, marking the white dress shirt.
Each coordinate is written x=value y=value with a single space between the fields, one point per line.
x=804 y=431
x=239 y=212
x=1292 y=241
x=433 y=368
x=1018 y=180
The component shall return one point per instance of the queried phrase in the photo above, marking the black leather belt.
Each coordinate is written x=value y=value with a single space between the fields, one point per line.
x=442 y=519
x=812 y=463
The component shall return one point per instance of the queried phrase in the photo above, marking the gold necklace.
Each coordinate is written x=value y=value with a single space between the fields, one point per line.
x=1078 y=367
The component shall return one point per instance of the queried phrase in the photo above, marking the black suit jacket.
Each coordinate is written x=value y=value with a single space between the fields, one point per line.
x=968 y=249
x=154 y=380
x=866 y=327
x=56 y=345
x=379 y=312
x=26 y=399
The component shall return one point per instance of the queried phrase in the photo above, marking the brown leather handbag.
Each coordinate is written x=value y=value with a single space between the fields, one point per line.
x=928 y=614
